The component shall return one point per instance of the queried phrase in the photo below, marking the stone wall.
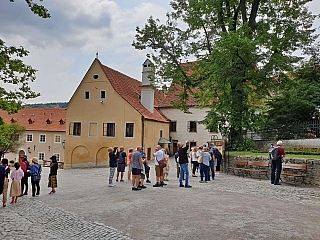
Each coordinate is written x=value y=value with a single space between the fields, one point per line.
x=313 y=168
x=304 y=143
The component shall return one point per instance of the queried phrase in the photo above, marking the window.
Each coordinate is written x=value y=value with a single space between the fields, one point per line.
x=42 y=138
x=57 y=138
x=86 y=95
x=192 y=126
x=95 y=76
x=57 y=156
x=102 y=94
x=41 y=156
x=75 y=128
x=29 y=138
x=129 y=129
x=109 y=129
x=93 y=129
x=173 y=126
x=160 y=133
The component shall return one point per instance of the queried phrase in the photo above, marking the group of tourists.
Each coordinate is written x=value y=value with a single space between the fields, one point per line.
x=207 y=158
x=20 y=178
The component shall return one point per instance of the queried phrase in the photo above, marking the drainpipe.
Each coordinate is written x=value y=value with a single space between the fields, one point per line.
x=142 y=132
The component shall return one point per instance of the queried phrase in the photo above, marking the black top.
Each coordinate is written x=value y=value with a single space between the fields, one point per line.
x=112 y=159
x=7 y=171
x=183 y=155
x=53 y=168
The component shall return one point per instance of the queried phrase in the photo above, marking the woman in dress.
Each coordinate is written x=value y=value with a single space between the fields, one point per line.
x=53 y=182
x=35 y=172
x=167 y=168
x=16 y=176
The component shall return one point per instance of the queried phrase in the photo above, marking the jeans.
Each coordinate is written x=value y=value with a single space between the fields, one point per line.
x=204 y=172
x=211 y=166
x=34 y=185
x=276 y=167
x=184 y=170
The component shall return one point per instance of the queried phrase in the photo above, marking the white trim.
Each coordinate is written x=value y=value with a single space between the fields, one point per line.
x=80 y=129
x=115 y=130
x=84 y=96
x=89 y=130
x=105 y=95
x=27 y=137
x=125 y=129
x=44 y=156
x=45 y=138
x=54 y=138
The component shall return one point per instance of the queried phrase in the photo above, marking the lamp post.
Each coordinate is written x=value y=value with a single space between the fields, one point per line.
x=63 y=143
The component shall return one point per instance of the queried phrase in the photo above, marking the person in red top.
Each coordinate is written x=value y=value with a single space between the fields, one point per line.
x=129 y=163
x=276 y=165
x=25 y=166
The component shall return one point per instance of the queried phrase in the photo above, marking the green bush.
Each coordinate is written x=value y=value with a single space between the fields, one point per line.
x=246 y=144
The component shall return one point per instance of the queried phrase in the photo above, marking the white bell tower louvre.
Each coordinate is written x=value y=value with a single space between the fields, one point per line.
x=147 y=92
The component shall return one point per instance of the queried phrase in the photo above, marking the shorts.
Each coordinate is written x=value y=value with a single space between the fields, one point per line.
x=136 y=171
x=121 y=167
x=159 y=171
x=142 y=176
x=129 y=167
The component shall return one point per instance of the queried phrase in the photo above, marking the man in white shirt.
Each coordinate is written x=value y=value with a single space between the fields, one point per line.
x=158 y=156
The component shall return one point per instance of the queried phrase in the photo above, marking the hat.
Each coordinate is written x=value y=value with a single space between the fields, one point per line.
x=24 y=157
x=53 y=158
x=35 y=160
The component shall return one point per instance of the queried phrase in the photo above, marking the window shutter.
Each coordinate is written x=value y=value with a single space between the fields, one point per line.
x=188 y=127
x=71 y=128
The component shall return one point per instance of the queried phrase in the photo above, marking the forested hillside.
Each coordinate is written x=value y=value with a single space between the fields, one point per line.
x=47 y=105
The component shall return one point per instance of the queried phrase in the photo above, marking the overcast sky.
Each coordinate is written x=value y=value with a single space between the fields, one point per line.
x=63 y=47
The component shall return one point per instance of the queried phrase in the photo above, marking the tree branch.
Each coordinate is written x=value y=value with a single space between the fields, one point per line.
x=253 y=14
x=244 y=11
x=220 y=17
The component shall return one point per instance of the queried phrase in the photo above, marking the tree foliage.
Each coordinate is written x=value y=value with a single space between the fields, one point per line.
x=242 y=50
x=9 y=137
x=14 y=73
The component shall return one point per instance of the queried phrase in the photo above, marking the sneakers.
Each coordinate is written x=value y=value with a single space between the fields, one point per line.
x=201 y=181
x=188 y=186
x=121 y=180
x=117 y=180
x=52 y=192
x=156 y=185
x=148 y=181
x=163 y=184
x=111 y=185
x=135 y=188
x=142 y=187
x=181 y=185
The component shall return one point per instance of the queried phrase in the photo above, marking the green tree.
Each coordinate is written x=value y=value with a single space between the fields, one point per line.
x=242 y=50
x=13 y=71
x=9 y=137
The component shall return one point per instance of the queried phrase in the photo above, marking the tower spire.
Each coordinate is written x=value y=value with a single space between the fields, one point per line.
x=97 y=55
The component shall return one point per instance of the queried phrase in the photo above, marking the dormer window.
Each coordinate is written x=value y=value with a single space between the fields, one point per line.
x=61 y=121
x=30 y=121
x=49 y=121
x=13 y=120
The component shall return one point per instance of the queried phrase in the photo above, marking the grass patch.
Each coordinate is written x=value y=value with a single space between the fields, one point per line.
x=255 y=154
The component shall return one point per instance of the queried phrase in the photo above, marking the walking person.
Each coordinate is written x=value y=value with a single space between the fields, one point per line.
x=6 y=167
x=159 y=156
x=276 y=164
x=122 y=159
x=183 y=162
x=25 y=166
x=194 y=161
x=35 y=172
x=204 y=165
x=112 y=164
x=136 y=169
x=129 y=163
x=53 y=181
x=16 y=177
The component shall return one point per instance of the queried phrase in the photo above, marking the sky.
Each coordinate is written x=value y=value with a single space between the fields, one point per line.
x=63 y=47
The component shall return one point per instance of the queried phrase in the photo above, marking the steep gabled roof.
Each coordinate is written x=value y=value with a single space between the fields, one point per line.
x=130 y=90
x=38 y=119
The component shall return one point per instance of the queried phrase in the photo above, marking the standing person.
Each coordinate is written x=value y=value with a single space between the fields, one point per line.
x=159 y=156
x=204 y=166
x=2 y=178
x=194 y=161
x=136 y=168
x=16 y=177
x=176 y=158
x=276 y=164
x=35 y=172
x=167 y=168
x=53 y=182
x=218 y=157
x=5 y=163
x=25 y=166
x=183 y=161
x=129 y=163
x=146 y=166
x=122 y=159
x=212 y=162
x=112 y=164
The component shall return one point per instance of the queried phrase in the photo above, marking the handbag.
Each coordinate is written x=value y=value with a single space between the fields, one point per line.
x=37 y=177
x=162 y=163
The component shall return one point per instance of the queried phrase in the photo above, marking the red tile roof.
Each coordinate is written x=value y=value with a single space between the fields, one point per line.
x=38 y=119
x=130 y=90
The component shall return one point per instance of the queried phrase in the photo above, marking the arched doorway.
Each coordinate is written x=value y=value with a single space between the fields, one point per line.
x=21 y=153
x=80 y=157
x=102 y=158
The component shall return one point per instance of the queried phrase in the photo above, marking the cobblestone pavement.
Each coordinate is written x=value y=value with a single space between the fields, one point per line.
x=230 y=207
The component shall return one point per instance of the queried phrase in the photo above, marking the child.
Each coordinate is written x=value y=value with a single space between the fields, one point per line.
x=167 y=168
x=142 y=176
x=16 y=177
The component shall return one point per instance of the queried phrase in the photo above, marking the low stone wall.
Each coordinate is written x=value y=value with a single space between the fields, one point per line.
x=313 y=167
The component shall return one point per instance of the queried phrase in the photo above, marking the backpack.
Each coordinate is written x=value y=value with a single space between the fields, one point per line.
x=273 y=153
x=120 y=159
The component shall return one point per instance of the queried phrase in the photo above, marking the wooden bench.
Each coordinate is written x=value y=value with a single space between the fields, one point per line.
x=257 y=168
x=45 y=163
x=239 y=167
x=295 y=171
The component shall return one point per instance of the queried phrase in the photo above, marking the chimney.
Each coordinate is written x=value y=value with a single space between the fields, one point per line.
x=147 y=92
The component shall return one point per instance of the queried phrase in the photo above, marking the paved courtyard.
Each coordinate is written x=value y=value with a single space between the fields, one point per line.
x=229 y=207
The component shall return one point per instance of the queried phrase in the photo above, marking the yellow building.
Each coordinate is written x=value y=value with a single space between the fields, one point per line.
x=111 y=109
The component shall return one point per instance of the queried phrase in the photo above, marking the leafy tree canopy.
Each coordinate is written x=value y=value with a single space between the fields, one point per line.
x=14 y=72
x=242 y=50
